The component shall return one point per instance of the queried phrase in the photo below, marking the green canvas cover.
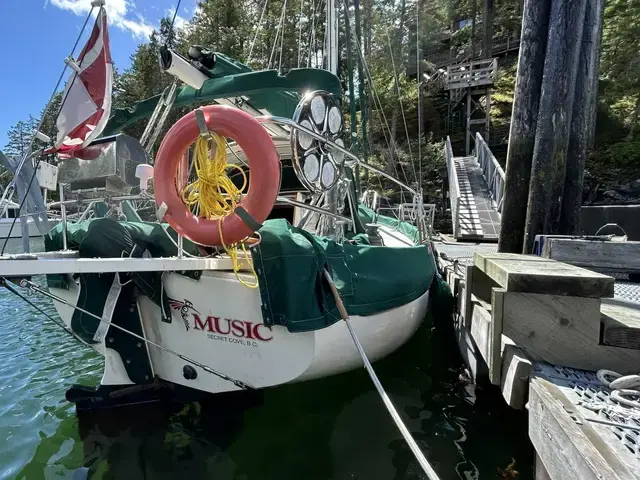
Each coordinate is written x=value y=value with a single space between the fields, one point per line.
x=369 y=216
x=290 y=262
x=265 y=89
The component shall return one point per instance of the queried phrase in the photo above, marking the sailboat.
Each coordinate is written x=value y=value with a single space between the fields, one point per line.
x=227 y=288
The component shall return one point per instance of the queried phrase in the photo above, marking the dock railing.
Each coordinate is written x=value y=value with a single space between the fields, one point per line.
x=491 y=171
x=454 y=189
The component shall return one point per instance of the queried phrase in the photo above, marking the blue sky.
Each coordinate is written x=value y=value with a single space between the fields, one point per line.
x=37 y=35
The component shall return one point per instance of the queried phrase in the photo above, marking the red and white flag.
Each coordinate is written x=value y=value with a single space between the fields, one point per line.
x=87 y=95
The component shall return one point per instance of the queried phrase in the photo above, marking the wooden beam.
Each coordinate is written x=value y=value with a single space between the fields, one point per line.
x=470 y=354
x=564 y=331
x=600 y=255
x=514 y=380
x=566 y=21
x=541 y=472
x=570 y=451
x=468 y=306
x=621 y=323
x=533 y=274
x=481 y=328
x=495 y=336
x=533 y=43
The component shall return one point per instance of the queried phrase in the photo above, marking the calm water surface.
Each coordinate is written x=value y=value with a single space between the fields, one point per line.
x=329 y=429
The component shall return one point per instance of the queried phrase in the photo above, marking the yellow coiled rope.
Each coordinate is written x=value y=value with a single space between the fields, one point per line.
x=213 y=195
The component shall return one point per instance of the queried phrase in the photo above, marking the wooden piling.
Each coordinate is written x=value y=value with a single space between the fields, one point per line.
x=583 y=120
x=566 y=22
x=533 y=44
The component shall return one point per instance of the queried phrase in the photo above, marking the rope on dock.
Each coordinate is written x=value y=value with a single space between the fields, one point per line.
x=424 y=463
x=623 y=405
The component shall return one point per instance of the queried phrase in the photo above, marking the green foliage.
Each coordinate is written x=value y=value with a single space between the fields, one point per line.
x=389 y=45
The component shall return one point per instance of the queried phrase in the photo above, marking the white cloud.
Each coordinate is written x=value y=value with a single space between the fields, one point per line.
x=180 y=22
x=121 y=13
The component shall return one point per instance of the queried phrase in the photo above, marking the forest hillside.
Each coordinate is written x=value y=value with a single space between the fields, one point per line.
x=290 y=34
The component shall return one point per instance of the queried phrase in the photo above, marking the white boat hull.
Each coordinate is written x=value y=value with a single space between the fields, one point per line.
x=226 y=333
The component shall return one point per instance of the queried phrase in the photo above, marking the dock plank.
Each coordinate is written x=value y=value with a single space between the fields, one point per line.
x=610 y=256
x=533 y=274
x=568 y=446
x=563 y=330
x=621 y=323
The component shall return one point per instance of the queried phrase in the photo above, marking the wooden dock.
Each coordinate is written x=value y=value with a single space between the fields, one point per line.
x=538 y=329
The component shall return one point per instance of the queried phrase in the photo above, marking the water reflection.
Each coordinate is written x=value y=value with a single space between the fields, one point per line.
x=329 y=429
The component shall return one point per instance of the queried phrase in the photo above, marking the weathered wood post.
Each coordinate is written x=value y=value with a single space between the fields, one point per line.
x=583 y=120
x=566 y=21
x=533 y=44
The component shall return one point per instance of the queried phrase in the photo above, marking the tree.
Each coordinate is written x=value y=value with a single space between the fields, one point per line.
x=19 y=137
x=621 y=56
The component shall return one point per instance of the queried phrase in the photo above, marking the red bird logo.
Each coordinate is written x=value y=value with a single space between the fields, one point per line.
x=184 y=308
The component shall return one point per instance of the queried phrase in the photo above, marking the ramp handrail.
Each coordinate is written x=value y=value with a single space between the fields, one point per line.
x=491 y=171
x=454 y=189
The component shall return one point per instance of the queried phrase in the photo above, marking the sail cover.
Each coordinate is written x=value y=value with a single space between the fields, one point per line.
x=87 y=95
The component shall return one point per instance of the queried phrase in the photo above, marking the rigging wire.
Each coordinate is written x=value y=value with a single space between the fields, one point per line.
x=175 y=14
x=278 y=32
x=258 y=28
x=12 y=185
x=36 y=288
x=312 y=18
x=404 y=118
x=419 y=97
x=380 y=112
x=300 y=32
x=6 y=284
x=282 y=38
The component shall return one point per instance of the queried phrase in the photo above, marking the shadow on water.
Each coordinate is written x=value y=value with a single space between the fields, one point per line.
x=330 y=429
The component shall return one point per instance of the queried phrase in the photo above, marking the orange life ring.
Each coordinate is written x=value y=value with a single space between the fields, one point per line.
x=264 y=181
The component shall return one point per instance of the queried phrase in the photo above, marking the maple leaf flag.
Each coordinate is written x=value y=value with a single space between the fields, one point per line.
x=87 y=95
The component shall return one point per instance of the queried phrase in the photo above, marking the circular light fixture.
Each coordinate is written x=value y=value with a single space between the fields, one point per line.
x=304 y=139
x=318 y=110
x=329 y=175
x=335 y=120
x=338 y=156
x=311 y=167
x=317 y=164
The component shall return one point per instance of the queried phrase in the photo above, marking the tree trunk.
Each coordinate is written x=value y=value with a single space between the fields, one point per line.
x=533 y=43
x=488 y=29
x=583 y=119
x=566 y=22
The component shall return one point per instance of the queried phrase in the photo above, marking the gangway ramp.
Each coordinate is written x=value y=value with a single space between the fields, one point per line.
x=476 y=187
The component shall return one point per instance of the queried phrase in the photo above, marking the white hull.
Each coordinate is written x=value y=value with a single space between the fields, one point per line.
x=226 y=334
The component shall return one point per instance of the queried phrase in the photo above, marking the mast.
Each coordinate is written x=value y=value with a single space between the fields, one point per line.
x=361 y=94
x=332 y=37
x=332 y=66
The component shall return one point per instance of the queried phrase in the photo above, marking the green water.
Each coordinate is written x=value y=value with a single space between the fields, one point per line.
x=329 y=429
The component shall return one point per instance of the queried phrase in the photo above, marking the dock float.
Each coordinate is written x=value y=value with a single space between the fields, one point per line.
x=539 y=329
